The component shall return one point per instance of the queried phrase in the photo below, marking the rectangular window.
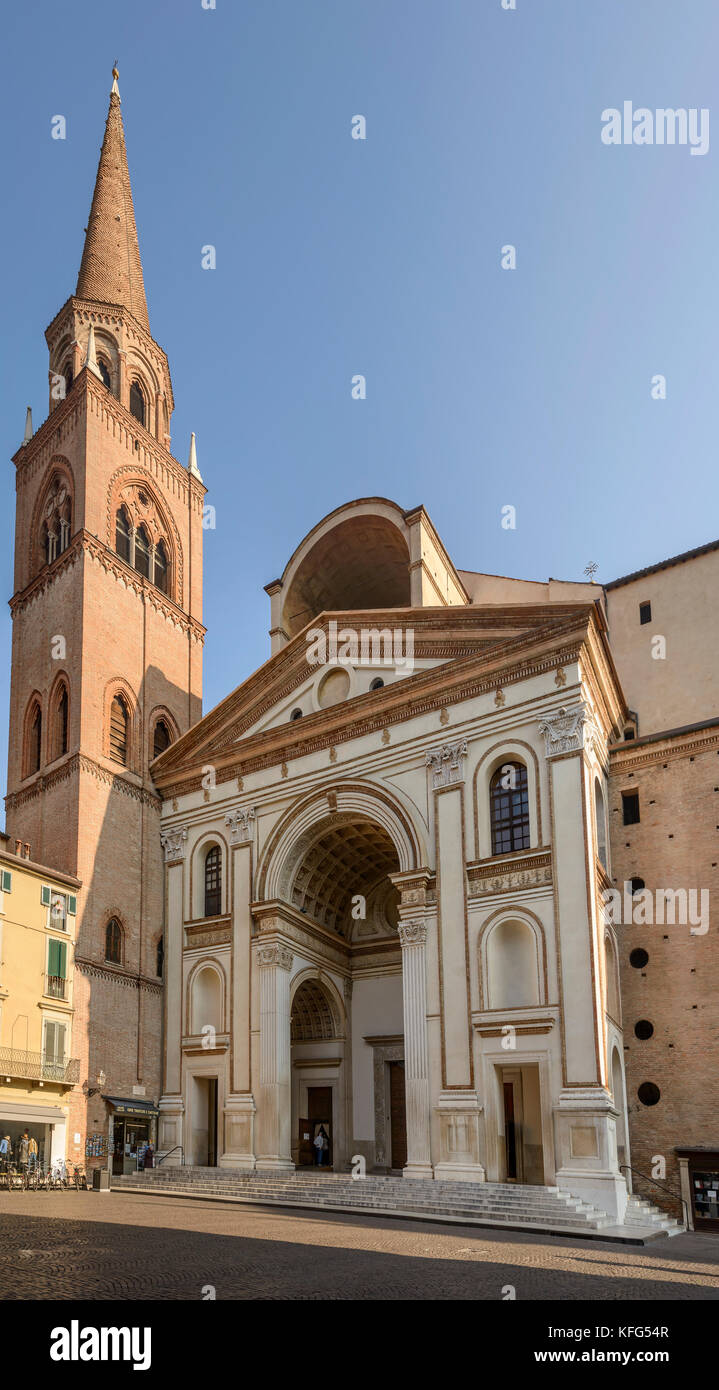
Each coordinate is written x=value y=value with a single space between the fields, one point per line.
x=56 y=969
x=630 y=808
x=53 y=1062
x=58 y=912
x=6 y=881
x=645 y=612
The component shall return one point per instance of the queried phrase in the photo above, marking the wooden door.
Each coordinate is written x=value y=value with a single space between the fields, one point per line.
x=397 y=1115
x=510 y=1132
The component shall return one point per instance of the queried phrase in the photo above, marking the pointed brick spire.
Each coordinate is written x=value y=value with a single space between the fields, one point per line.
x=111 y=270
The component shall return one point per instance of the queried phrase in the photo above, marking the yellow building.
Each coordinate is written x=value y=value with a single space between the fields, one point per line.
x=38 y=913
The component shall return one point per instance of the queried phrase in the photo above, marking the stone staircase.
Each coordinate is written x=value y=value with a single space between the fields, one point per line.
x=513 y=1206
x=641 y=1213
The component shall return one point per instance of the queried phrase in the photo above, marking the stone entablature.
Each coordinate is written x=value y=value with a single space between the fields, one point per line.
x=510 y=874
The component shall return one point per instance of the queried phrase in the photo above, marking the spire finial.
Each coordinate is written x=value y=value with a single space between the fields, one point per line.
x=28 y=426
x=192 y=460
x=115 y=90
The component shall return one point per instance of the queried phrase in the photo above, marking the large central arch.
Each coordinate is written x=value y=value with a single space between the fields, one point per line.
x=334 y=805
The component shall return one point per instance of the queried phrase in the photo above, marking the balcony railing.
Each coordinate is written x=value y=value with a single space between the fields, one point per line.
x=56 y=986
x=34 y=1066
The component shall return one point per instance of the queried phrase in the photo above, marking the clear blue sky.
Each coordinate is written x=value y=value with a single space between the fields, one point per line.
x=381 y=257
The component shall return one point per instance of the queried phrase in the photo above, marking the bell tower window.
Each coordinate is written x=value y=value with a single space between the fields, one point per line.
x=142 y=552
x=161 y=566
x=137 y=402
x=34 y=744
x=60 y=722
x=122 y=536
x=161 y=739
x=104 y=371
x=119 y=728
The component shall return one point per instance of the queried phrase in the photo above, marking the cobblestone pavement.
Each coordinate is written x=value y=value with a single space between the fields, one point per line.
x=97 y=1245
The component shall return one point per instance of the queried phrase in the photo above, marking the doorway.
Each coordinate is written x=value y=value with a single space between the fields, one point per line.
x=397 y=1116
x=204 y=1121
x=319 y=1114
x=521 y=1152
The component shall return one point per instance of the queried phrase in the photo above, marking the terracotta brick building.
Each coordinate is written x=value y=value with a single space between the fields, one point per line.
x=107 y=651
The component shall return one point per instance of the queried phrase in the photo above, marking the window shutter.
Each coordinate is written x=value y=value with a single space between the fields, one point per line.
x=45 y=895
x=53 y=957
x=6 y=881
x=72 y=905
x=62 y=960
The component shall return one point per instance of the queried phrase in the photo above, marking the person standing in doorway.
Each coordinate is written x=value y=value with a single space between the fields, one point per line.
x=319 y=1144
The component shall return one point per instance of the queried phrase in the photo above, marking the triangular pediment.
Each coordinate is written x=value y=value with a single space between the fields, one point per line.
x=448 y=646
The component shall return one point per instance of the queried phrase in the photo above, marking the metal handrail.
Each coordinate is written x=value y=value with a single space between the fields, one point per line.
x=170 y=1153
x=663 y=1186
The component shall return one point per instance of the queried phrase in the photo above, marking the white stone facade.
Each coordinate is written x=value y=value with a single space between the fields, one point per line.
x=365 y=918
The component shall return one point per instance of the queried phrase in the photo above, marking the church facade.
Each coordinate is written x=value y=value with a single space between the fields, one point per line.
x=384 y=909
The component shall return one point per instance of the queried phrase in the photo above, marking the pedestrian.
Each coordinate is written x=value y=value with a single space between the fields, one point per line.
x=149 y=1157
x=319 y=1144
x=32 y=1154
x=5 y=1153
x=23 y=1149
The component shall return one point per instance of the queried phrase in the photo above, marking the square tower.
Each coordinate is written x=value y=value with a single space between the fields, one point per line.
x=107 y=646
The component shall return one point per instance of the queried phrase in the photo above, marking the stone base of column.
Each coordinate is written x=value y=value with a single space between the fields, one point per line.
x=418 y=1170
x=274 y=1165
x=586 y=1130
x=239 y=1132
x=170 y=1132
x=459 y=1113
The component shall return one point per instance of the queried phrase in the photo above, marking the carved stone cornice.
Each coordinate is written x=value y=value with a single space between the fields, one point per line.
x=412 y=934
x=274 y=955
x=173 y=842
x=446 y=763
x=219 y=737
x=207 y=936
x=240 y=823
x=564 y=729
x=517 y=872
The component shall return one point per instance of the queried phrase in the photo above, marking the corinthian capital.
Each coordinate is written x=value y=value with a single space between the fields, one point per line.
x=447 y=763
x=275 y=955
x=240 y=823
x=564 y=730
x=412 y=934
x=173 y=843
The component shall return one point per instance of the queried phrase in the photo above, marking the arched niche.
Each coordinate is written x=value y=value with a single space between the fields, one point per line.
x=512 y=962
x=207 y=1002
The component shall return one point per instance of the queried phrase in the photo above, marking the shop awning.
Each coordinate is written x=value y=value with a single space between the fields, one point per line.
x=130 y=1105
x=35 y=1114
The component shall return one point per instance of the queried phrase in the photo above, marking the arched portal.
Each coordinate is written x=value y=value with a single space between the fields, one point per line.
x=326 y=877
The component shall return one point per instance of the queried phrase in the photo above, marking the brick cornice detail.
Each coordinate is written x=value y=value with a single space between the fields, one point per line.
x=118 y=975
x=624 y=758
x=79 y=762
x=85 y=543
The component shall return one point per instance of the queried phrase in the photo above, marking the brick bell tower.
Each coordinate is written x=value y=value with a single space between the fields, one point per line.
x=107 y=647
